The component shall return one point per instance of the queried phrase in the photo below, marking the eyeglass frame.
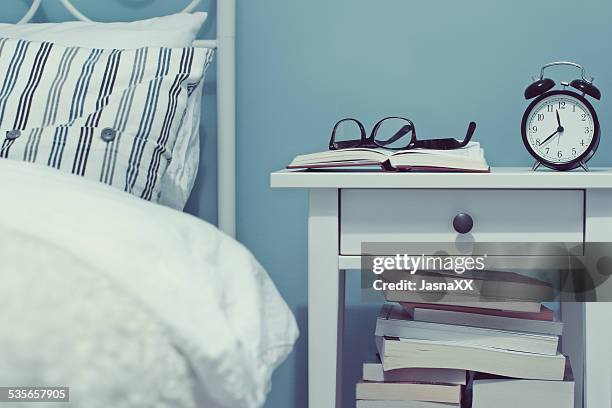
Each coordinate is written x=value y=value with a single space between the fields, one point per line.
x=366 y=141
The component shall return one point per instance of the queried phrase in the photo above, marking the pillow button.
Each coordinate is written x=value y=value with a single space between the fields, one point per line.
x=108 y=134
x=13 y=134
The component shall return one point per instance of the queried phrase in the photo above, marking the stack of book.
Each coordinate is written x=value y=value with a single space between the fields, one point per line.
x=505 y=354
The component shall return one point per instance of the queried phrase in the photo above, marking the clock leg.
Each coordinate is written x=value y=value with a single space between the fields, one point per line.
x=535 y=166
x=584 y=166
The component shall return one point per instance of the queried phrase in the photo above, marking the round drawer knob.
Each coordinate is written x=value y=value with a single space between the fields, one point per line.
x=463 y=223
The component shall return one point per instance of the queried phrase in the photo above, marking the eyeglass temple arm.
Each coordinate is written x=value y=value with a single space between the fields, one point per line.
x=447 y=143
x=468 y=136
x=400 y=133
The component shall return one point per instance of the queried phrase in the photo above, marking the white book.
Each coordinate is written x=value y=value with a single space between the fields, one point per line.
x=408 y=392
x=403 y=404
x=402 y=353
x=489 y=322
x=394 y=321
x=491 y=289
x=465 y=300
x=512 y=393
x=469 y=158
x=375 y=372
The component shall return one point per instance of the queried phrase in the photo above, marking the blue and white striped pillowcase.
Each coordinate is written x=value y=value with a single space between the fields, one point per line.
x=107 y=115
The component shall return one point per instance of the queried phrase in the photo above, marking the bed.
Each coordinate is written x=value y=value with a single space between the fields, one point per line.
x=107 y=287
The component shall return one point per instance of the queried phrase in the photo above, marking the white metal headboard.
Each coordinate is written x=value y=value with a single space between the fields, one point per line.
x=226 y=101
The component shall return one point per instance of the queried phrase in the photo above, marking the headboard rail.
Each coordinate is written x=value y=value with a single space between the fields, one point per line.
x=80 y=16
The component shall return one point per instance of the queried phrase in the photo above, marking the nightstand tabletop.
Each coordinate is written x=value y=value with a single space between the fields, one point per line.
x=500 y=178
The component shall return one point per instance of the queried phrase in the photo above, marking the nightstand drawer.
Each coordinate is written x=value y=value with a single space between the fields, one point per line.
x=394 y=215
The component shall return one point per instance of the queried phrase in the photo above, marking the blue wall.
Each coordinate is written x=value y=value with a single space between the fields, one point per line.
x=304 y=64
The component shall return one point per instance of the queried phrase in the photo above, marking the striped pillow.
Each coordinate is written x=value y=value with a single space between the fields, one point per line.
x=107 y=115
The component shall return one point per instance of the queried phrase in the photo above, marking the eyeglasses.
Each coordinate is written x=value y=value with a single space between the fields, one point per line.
x=393 y=132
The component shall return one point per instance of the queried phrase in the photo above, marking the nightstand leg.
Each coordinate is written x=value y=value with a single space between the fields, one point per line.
x=325 y=301
x=596 y=323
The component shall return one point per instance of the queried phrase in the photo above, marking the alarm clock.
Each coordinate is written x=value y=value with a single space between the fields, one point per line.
x=560 y=127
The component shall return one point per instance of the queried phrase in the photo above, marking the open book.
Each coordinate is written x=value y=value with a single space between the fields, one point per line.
x=469 y=159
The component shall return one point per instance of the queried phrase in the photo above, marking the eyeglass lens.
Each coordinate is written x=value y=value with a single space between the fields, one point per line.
x=347 y=133
x=393 y=133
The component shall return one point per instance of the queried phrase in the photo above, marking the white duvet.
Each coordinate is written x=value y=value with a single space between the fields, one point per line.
x=130 y=303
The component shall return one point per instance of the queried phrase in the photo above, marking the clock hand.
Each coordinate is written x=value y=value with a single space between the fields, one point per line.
x=549 y=137
x=560 y=128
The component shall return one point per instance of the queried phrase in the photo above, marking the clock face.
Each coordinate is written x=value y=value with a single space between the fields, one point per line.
x=560 y=128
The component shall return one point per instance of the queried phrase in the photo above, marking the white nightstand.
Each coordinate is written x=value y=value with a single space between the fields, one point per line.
x=507 y=205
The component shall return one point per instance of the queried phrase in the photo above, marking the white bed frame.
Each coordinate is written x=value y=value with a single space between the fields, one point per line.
x=226 y=101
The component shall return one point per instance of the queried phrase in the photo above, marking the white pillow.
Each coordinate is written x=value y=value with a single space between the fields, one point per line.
x=108 y=115
x=174 y=31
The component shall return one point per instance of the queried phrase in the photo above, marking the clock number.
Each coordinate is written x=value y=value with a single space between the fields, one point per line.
x=587 y=130
x=540 y=117
x=547 y=150
x=582 y=142
x=561 y=104
x=573 y=150
x=549 y=108
x=574 y=108
x=583 y=117
x=538 y=142
x=559 y=154
x=534 y=128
